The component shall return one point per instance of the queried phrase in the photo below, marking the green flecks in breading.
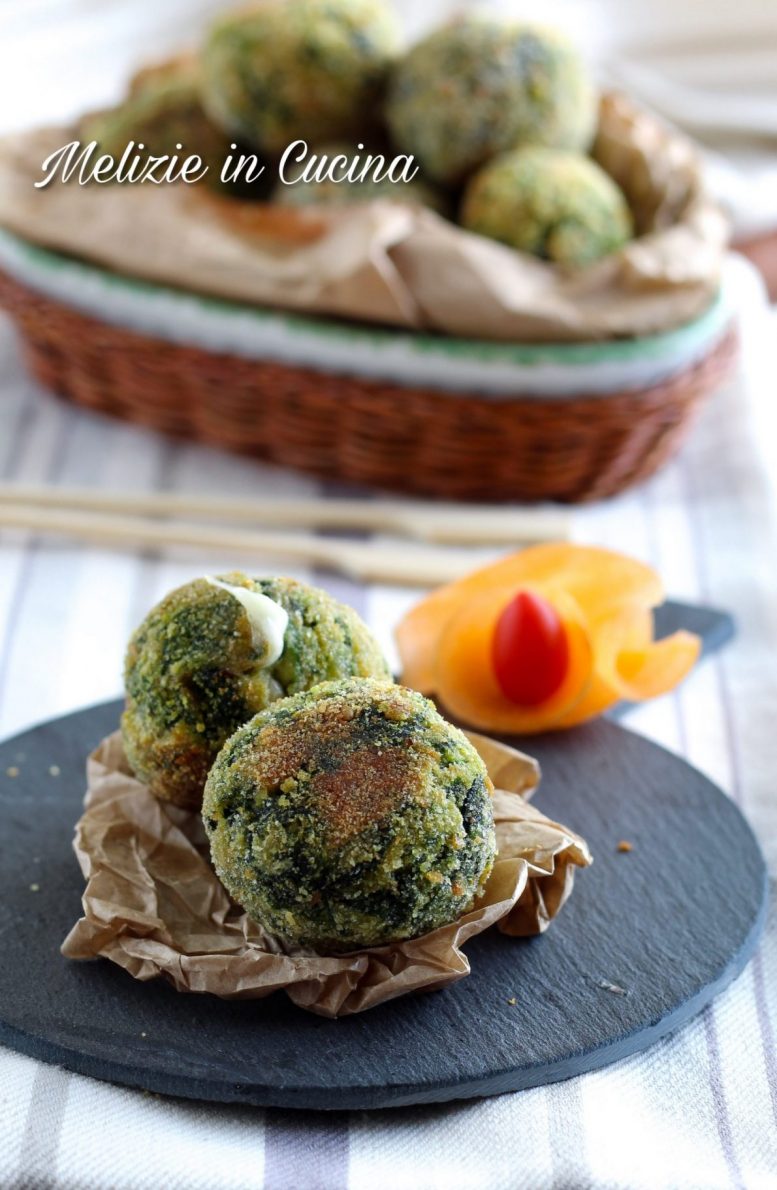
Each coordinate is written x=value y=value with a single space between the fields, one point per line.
x=194 y=673
x=480 y=86
x=557 y=205
x=325 y=640
x=161 y=113
x=351 y=815
x=285 y=70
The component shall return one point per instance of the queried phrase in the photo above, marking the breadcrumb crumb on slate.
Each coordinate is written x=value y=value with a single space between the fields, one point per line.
x=195 y=671
x=349 y=816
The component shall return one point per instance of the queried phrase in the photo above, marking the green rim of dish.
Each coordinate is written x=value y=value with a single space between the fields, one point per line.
x=658 y=346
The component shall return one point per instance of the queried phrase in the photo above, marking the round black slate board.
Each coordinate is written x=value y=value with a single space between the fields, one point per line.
x=646 y=941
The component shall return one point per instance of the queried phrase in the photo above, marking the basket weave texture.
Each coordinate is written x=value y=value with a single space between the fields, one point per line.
x=416 y=440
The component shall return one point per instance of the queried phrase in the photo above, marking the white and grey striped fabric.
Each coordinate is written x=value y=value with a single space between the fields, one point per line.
x=697 y=1110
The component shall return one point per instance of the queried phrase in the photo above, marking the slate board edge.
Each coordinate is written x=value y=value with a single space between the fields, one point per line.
x=401 y=1095
x=353 y=1098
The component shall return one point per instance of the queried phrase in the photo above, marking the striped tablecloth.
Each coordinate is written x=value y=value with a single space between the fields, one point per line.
x=697 y=1110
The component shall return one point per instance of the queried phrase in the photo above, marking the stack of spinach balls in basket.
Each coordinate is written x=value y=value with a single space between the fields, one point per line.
x=498 y=116
x=342 y=810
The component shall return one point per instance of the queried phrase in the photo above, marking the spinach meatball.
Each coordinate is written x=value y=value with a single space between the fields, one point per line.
x=216 y=651
x=480 y=86
x=289 y=69
x=162 y=111
x=349 y=816
x=559 y=206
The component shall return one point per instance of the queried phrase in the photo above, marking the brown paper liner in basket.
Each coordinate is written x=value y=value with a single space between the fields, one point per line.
x=154 y=905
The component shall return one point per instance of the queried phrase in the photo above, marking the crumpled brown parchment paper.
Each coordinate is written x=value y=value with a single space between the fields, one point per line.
x=154 y=905
x=393 y=263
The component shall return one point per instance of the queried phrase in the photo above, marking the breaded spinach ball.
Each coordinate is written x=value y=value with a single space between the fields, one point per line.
x=216 y=651
x=349 y=816
x=163 y=110
x=329 y=193
x=556 y=205
x=480 y=86
x=285 y=70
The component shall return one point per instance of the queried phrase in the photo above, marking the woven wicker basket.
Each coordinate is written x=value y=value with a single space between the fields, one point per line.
x=455 y=445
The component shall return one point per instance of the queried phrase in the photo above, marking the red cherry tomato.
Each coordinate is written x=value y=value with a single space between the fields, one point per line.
x=530 y=650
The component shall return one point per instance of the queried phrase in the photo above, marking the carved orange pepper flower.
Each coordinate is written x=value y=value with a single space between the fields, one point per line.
x=543 y=639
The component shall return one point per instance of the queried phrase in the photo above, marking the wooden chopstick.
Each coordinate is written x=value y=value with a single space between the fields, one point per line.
x=448 y=523
x=400 y=563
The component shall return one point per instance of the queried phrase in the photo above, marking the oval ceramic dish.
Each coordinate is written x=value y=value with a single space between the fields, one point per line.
x=456 y=418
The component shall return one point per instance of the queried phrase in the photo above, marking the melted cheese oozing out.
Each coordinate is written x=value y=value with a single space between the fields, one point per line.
x=267 y=618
